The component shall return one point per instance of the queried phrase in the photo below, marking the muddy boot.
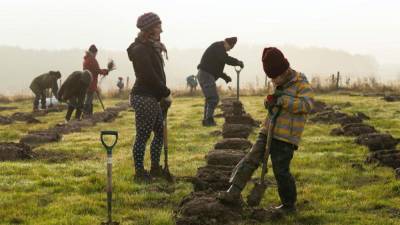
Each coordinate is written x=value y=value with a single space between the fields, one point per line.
x=209 y=122
x=156 y=171
x=231 y=196
x=142 y=176
x=285 y=209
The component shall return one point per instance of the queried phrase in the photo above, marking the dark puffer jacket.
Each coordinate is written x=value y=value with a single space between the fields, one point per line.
x=214 y=59
x=46 y=81
x=148 y=65
x=75 y=85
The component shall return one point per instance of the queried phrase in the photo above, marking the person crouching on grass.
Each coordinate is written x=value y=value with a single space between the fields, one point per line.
x=294 y=95
x=148 y=91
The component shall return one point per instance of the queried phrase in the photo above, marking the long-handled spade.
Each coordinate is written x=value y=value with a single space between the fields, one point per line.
x=100 y=100
x=238 y=69
x=258 y=190
x=167 y=175
x=109 y=149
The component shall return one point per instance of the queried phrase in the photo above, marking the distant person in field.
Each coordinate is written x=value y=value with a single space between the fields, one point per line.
x=150 y=96
x=39 y=86
x=191 y=82
x=73 y=91
x=90 y=63
x=294 y=97
x=120 y=85
x=211 y=68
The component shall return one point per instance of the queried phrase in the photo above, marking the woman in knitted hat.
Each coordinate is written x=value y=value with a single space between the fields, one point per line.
x=149 y=89
x=294 y=95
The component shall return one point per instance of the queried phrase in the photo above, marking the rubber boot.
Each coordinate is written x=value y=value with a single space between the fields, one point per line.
x=285 y=208
x=142 y=175
x=209 y=122
x=156 y=171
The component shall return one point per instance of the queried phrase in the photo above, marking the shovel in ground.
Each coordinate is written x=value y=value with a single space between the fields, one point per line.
x=259 y=188
x=167 y=175
x=109 y=149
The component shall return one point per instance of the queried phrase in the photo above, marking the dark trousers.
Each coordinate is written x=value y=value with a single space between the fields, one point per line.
x=281 y=154
x=209 y=88
x=39 y=95
x=75 y=103
x=148 y=119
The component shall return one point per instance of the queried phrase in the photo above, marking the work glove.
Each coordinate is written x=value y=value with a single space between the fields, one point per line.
x=272 y=100
x=165 y=103
x=226 y=78
x=240 y=63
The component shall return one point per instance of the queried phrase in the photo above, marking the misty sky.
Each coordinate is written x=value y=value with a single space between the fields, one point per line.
x=358 y=26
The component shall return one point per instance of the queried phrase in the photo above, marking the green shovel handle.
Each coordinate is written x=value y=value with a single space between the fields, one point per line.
x=108 y=133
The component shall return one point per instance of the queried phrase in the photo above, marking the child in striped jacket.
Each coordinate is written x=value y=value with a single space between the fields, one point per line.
x=293 y=98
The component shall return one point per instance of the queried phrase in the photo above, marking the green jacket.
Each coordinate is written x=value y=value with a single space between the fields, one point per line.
x=75 y=85
x=46 y=81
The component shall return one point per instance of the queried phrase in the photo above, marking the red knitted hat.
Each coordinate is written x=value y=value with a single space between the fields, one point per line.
x=274 y=62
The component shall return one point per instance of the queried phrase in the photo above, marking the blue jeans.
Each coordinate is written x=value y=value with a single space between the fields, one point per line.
x=209 y=88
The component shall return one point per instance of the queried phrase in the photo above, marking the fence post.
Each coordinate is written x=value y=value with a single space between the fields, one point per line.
x=337 y=80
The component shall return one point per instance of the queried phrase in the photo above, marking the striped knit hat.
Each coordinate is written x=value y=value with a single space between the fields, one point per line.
x=147 y=21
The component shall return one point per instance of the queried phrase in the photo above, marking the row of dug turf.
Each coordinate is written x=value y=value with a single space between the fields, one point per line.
x=23 y=149
x=201 y=207
x=382 y=146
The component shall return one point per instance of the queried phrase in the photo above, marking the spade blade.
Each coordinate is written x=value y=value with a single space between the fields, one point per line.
x=256 y=194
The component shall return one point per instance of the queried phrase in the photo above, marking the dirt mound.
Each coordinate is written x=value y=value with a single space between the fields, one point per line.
x=319 y=106
x=107 y=116
x=232 y=107
x=66 y=128
x=236 y=131
x=362 y=116
x=233 y=143
x=123 y=105
x=32 y=120
x=224 y=157
x=21 y=116
x=4 y=108
x=40 y=137
x=203 y=208
x=391 y=98
x=389 y=158
x=5 y=120
x=354 y=129
x=14 y=151
x=212 y=177
x=332 y=117
x=241 y=119
x=349 y=120
x=377 y=141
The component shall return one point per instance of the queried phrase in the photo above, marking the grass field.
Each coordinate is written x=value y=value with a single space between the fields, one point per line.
x=72 y=190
